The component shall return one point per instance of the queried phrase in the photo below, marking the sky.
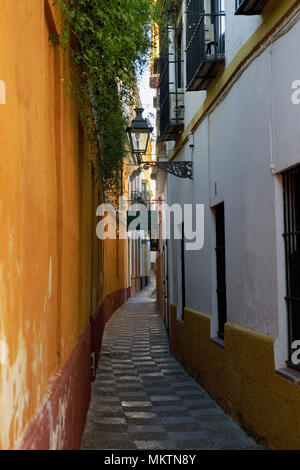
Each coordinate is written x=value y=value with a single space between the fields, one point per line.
x=146 y=95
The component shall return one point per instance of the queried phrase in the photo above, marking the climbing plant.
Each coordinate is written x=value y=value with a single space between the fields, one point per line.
x=109 y=41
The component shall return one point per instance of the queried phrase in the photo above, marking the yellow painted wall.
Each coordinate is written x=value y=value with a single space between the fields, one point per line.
x=115 y=265
x=50 y=258
x=241 y=377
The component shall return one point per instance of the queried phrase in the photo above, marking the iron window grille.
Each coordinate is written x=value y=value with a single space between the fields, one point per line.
x=171 y=94
x=205 y=39
x=250 y=7
x=291 y=189
x=221 y=268
x=182 y=249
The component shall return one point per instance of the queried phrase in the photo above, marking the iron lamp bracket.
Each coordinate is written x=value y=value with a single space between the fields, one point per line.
x=179 y=169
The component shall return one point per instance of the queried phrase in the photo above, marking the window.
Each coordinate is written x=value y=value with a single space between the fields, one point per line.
x=182 y=246
x=179 y=58
x=205 y=39
x=171 y=96
x=221 y=268
x=291 y=182
x=155 y=66
x=250 y=7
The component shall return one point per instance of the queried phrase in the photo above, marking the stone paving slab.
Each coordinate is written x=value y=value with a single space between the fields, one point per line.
x=142 y=397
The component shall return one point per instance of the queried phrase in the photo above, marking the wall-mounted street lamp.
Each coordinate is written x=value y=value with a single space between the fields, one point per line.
x=139 y=135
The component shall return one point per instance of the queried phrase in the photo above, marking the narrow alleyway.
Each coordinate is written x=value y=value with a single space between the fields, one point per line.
x=143 y=398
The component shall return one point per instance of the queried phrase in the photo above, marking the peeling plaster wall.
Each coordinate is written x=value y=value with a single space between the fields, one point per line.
x=14 y=397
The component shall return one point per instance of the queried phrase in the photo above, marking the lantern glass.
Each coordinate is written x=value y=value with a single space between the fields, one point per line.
x=139 y=133
x=139 y=140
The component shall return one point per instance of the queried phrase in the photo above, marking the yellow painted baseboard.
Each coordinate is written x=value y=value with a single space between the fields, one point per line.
x=241 y=377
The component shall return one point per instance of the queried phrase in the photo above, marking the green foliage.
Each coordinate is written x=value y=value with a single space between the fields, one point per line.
x=109 y=42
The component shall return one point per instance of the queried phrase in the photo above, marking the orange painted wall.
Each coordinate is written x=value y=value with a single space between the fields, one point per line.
x=51 y=261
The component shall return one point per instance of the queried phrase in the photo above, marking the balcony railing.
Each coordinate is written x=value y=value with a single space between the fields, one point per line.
x=171 y=98
x=140 y=197
x=205 y=53
x=250 y=7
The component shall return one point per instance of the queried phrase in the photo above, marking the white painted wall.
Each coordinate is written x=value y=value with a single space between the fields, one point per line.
x=254 y=127
x=285 y=69
x=238 y=29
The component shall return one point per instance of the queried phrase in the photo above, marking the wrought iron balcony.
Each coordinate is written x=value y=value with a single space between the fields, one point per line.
x=171 y=97
x=140 y=197
x=136 y=196
x=250 y=7
x=205 y=52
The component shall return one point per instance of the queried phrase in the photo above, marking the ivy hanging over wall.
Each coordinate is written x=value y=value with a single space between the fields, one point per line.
x=109 y=42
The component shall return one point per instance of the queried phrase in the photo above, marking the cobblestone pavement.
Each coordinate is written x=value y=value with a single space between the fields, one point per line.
x=143 y=399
